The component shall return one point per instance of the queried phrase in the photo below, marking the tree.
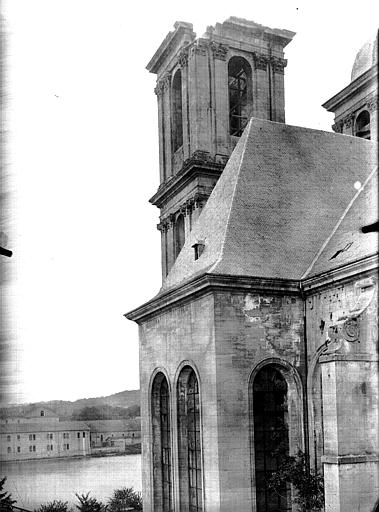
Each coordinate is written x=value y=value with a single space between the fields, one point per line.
x=6 y=502
x=308 y=483
x=54 y=506
x=89 y=504
x=125 y=499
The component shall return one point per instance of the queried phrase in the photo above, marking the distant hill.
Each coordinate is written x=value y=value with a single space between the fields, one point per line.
x=122 y=405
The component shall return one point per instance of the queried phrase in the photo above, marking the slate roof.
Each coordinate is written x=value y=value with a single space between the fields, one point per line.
x=276 y=204
x=35 y=427
x=347 y=243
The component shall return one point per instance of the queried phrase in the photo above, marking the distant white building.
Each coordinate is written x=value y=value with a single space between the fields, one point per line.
x=41 y=435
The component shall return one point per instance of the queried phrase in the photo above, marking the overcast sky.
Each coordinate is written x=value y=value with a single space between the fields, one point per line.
x=82 y=156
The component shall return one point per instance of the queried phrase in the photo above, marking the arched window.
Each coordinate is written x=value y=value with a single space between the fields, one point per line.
x=177 y=119
x=239 y=81
x=189 y=442
x=161 y=445
x=179 y=234
x=271 y=439
x=362 y=125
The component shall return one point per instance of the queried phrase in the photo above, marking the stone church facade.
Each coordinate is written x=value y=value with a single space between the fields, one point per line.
x=264 y=333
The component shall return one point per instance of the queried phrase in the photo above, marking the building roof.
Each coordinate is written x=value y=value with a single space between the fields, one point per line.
x=34 y=427
x=366 y=58
x=114 y=425
x=36 y=413
x=347 y=243
x=276 y=203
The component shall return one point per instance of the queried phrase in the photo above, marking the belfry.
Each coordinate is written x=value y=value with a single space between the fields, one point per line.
x=262 y=341
x=207 y=89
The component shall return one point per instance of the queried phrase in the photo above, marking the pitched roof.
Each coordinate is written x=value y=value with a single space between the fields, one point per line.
x=42 y=426
x=278 y=199
x=347 y=243
x=114 y=425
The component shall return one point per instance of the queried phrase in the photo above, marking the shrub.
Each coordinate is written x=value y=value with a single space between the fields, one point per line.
x=124 y=499
x=89 y=504
x=6 y=501
x=54 y=506
x=308 y=483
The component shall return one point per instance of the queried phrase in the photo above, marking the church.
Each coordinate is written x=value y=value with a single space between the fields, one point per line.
x=264 y=332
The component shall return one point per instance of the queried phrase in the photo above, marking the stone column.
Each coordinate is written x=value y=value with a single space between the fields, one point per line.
x=350 y=406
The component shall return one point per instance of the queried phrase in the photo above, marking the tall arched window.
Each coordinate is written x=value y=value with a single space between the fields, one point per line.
x=161 y=445
x=179 y=233
x=271 y=439
x=362 y=125
x=189 y=442
x=177 y=118
x=239 y=82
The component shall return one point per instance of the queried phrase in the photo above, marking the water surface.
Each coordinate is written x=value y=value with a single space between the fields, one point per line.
x=35 y=482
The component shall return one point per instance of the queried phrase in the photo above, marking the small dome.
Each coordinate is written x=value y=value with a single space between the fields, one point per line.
x=366 y=58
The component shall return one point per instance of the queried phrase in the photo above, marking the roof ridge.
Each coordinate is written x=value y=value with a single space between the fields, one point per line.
x=339 y=222
x=221 y=255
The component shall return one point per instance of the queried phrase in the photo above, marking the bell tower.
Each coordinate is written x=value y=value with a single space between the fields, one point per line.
x=207 y=89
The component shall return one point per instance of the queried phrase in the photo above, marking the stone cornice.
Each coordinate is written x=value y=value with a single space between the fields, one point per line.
x=343 y=273
x=200 y=163
x=350 y=459
x=367 y=79
x=207 y=283
x=183 y=32
x=196 y=201
x=204 y=283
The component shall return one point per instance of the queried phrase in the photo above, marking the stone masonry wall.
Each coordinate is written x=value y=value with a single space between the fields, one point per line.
x=253 y=329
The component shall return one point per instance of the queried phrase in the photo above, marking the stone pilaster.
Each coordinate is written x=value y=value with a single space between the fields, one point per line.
x=161 y=130
x=199 y=94
x=261 y=89
x=350 y=407
x=277 y=66
x=166 y=85
x=183 y=63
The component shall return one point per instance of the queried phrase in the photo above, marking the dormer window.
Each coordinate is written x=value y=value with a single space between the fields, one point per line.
x=198 y=248
x=177 y=118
